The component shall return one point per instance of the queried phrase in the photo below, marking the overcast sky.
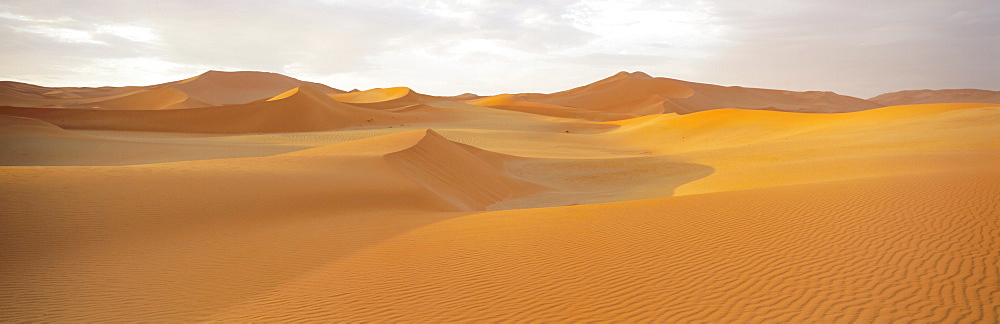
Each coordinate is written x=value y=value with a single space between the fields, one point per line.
x=444 y=47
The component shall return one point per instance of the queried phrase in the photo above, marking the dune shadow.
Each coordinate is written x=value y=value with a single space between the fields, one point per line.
x=591 y=181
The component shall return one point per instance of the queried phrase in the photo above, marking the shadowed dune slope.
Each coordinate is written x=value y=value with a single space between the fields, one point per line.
x=226 y=88
x=307 y=109
x=177 y=226
x=212 y=88
x=639 y=94
x=161 y=98
x=467 y=177
x=30 y=95
x=911 y=97
x=709 y=96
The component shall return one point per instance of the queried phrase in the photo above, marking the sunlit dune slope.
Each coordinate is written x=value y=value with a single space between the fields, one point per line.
x=305 y=109
x=385 y=98
x=754 y=149
x=853 y=251
x=910 y=97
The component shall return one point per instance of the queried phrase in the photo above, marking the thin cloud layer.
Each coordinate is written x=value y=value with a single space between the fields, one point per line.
x=858 y=48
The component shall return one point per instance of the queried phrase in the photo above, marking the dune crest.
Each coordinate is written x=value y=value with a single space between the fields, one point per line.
x=467 y=176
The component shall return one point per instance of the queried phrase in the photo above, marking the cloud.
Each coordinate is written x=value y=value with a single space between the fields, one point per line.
x=483 y=46
x=861 y=48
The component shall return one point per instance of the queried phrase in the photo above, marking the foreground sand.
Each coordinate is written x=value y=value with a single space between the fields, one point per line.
x=514 y=212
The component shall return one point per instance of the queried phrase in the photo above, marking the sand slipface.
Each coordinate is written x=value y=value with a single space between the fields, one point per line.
x=256 y=197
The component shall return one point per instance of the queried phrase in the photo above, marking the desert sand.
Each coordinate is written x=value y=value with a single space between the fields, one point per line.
x=256 y=197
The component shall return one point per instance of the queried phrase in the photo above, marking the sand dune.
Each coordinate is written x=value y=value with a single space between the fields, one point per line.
x=212 y=88
x=912 y=97
x=632 y=199
x=516 y=103
x=304 y=109
x=385 y=98
x=639 y=94
x=781 y=255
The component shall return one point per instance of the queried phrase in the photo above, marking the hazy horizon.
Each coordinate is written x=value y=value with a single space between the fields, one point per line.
x=483 y=47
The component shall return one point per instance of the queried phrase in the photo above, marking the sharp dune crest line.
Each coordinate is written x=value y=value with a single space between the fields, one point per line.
x=257 y=197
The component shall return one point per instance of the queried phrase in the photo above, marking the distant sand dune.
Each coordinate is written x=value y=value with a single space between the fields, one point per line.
x=307 y=110
x=639 y=94
x=385 y=98
x=912 y=97
x=212 y=88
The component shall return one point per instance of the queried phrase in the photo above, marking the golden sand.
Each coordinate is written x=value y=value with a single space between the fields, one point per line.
x=261 y=198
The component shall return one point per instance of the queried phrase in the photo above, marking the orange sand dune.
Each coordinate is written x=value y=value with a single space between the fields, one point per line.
x=384 y=98
x=212 y=88
x=635 y=93
x=516 y=103
x=911 y=97
x=307 y=109
x=227 y=88
x=771 y=255
x=162 y=98
x=29 y=95
x=633 y=199
x=639 y=94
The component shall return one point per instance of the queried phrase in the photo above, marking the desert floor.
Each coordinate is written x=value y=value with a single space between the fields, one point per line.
x=463 y=211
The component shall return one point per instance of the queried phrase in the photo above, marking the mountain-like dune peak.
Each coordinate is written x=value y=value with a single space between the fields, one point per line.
x=639 y=94
x=226 y=88
x=911 y=97
x=624 y=93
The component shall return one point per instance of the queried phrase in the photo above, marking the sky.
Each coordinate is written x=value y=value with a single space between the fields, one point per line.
x=445 y=47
